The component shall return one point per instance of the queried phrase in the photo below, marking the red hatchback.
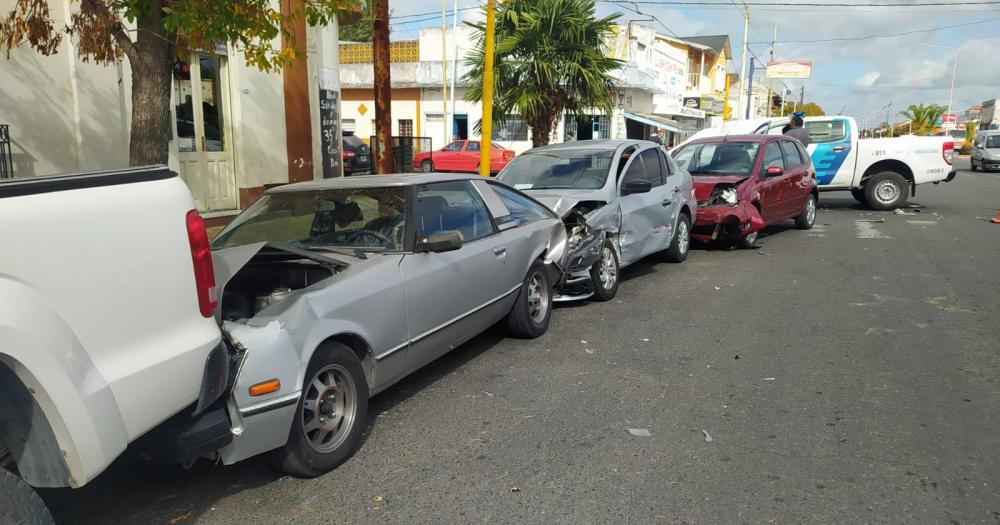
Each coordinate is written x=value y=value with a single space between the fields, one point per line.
x=462 y=155
x=743 y=183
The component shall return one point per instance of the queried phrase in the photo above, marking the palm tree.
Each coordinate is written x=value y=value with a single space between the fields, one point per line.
x=924 y=118
x=550 y=58
x=971 y=127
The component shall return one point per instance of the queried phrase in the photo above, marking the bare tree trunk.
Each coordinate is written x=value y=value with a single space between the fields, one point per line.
x=151 y=62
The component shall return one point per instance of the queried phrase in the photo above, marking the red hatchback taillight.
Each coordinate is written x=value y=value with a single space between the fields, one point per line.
x=948 y=152
x=201 y=256
x=349 y=154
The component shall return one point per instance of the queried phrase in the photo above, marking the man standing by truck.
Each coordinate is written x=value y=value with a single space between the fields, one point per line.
x=796 y=130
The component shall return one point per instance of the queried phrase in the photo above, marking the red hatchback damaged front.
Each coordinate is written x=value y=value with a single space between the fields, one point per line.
x=743 y=183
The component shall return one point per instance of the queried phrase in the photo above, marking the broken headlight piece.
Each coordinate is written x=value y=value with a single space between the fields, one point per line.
x=722 y=195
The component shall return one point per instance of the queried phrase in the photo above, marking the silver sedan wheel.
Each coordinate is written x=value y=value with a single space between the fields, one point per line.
x=886 y=192
x=810 y=210
x=538 y=298
x=329 y=409
x=751 y=238
x=683 y=237
x=609 y=269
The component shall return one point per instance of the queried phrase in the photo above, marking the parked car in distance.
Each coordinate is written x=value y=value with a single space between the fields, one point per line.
x=986 y=151
x=621 y=200
x=357 y=155
x=745 y=182
x=881 y=173
x=462 y=156
x=107 y=329
x=333 y=290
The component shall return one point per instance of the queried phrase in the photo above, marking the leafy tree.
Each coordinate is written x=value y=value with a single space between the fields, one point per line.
x=924 y=118
x=811 y=109
x=549 y=58
x=151 y=34
x=362 y=30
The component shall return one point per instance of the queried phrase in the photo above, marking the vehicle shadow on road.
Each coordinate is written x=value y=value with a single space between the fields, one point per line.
x=134 y=491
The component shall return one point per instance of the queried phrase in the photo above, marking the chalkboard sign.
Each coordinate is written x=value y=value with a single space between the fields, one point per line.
x=329 y=128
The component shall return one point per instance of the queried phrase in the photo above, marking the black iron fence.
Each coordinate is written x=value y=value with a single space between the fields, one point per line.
x=6 y=157
x=407 y=153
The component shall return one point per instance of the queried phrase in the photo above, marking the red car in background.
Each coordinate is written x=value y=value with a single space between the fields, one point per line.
x=743 y=183
x=462 y=155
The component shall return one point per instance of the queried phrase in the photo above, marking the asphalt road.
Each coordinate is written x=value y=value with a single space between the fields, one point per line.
x=845 y=375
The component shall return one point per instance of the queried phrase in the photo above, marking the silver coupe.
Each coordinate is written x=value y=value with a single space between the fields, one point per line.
x=333 y=290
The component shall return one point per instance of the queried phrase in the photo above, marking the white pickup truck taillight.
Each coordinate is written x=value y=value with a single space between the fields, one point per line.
x=201 y=256
x=948 y=152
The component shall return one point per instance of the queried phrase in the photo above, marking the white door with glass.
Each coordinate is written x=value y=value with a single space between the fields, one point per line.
x=204 y=133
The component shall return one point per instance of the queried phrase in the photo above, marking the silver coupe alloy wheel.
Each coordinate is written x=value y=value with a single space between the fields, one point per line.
x=538 y=298
x=886 y=192
x=683 y=237
x=329 y=409
x=609 y=270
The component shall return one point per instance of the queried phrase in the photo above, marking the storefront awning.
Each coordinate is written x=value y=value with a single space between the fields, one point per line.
x=655 y=121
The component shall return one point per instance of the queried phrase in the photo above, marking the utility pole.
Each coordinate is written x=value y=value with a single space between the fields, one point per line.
x=383 y=87
x=773 y=38
x=444 y=74
x=454 y=63
x=487 y=121
x=802 y=96
x=749 y=89
x=743 y=57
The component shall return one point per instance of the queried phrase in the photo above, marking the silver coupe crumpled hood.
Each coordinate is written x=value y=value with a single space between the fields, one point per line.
x=228 y=261
x=562 y=201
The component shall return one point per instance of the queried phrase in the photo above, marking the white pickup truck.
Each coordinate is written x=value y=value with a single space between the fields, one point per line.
x=878 y=172
x=107 y=329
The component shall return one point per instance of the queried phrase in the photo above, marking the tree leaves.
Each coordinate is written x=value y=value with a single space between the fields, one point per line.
x=256 y=27
x=924 y=118
x=549 y=58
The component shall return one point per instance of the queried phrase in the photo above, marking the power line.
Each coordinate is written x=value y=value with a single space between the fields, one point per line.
x=436 y=13
x=636 y=10
x=890 y=35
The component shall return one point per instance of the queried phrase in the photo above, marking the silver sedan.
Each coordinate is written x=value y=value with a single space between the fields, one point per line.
x=334 y=290
x=621 y=200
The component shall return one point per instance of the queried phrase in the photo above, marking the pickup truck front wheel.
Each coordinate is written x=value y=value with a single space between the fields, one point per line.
x=330 y=419
x=886 y=191
x=19 y=504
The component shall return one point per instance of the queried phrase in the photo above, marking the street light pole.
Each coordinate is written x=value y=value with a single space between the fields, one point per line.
x=954 y=65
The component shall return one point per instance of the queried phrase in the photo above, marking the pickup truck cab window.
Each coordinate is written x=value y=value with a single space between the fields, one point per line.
x=823 y=131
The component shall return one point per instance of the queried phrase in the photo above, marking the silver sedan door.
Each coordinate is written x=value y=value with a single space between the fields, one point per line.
x=673 y=188
x=451 y=296
x=645 y=216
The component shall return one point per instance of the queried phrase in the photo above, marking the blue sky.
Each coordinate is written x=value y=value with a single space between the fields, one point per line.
x=860 y=76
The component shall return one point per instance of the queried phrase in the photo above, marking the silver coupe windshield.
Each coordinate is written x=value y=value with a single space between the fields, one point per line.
x=583 y=169
x=367 y=218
